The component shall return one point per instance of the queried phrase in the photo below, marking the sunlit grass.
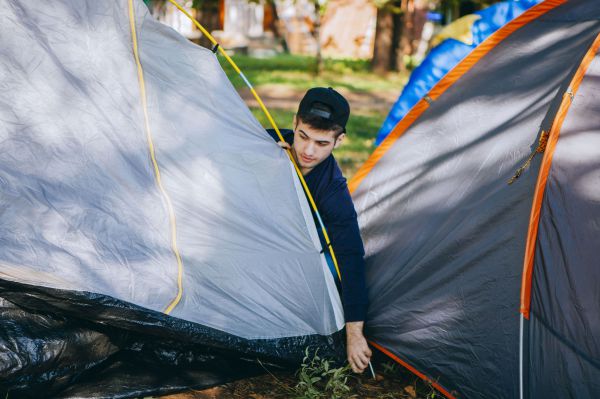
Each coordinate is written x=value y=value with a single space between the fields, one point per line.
x=299 y=72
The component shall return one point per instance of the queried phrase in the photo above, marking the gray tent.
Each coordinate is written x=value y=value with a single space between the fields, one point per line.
x=140 y=198
x=490 y=289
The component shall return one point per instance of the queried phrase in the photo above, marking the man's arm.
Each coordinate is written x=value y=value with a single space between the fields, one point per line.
x=355 y=306
x=340 y=218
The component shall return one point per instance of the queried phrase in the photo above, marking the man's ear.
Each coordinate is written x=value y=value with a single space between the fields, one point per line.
x=339 y=140
x=294 y=122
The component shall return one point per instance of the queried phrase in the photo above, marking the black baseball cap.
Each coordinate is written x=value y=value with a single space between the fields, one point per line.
x=326 y=103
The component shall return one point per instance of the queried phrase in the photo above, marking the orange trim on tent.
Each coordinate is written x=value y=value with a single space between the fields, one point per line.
x=448 y=80
x=540 y=187
x=413 y=370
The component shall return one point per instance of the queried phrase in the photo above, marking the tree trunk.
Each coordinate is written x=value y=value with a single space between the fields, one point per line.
x=406 y=34
x=398 y=39
x=394 y=36
x=276 y=25
x=317 y=34
x=208 y=16
x=384 y=41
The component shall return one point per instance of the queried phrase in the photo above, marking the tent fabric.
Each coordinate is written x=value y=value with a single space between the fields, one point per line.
x=564 y=336
x=459 y=29
x=445 y=234
x=86 y=229
x=447 y=54
x=496 y=16
x=437 y=64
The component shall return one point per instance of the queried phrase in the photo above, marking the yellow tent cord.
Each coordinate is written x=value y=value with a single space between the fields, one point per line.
x=273 y=124
x=173 y=224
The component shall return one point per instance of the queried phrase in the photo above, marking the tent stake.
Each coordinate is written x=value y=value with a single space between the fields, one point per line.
x=372 y=371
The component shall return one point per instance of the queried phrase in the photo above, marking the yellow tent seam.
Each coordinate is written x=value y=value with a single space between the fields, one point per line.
x=173 y=224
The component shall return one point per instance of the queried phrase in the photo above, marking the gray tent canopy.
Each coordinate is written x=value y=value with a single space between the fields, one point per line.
x=139 y=194
x=487 y=288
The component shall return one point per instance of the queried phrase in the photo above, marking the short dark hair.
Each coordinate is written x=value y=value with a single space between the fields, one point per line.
x=320 y=123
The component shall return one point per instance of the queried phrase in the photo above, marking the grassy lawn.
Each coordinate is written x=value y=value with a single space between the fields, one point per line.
x=296 y=73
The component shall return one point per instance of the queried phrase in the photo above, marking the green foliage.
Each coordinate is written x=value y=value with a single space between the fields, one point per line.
x=198 y=4
x=432 y=392
x=318 y=379
x=389 y=369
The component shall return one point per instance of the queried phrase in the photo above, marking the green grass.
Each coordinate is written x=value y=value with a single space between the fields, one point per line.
x=298 y=72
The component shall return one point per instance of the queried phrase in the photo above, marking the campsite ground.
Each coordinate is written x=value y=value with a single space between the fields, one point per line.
x=281 y=82
x=392 y=384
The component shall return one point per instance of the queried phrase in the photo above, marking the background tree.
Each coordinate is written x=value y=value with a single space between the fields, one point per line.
x=395 y=34
x=207 y=13
x=398 y=24
x=319 y=11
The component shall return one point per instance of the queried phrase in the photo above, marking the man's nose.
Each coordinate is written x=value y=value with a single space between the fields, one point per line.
x=310 y=149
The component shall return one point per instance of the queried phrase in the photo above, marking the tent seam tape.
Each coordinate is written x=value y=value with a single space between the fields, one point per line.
x=172 y=221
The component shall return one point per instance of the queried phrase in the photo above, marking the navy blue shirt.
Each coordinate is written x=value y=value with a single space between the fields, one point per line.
x=330 y=192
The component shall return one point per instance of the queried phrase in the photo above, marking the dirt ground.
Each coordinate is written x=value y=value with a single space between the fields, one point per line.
x=280 y=386
x=392 y=381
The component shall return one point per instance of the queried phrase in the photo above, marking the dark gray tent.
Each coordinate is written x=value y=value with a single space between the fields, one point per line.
x=144 y=212
x=459 y=261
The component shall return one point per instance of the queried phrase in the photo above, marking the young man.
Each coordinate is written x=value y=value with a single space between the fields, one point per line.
x=319 y=127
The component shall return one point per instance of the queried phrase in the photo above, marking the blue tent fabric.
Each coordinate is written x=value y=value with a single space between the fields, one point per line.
x=446 y=55
x=497 y=15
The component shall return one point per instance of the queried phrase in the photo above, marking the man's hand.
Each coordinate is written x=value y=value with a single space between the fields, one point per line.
x=284 y=145
x=357 y=348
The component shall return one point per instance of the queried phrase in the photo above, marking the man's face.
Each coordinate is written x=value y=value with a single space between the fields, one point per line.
x=312 y=146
